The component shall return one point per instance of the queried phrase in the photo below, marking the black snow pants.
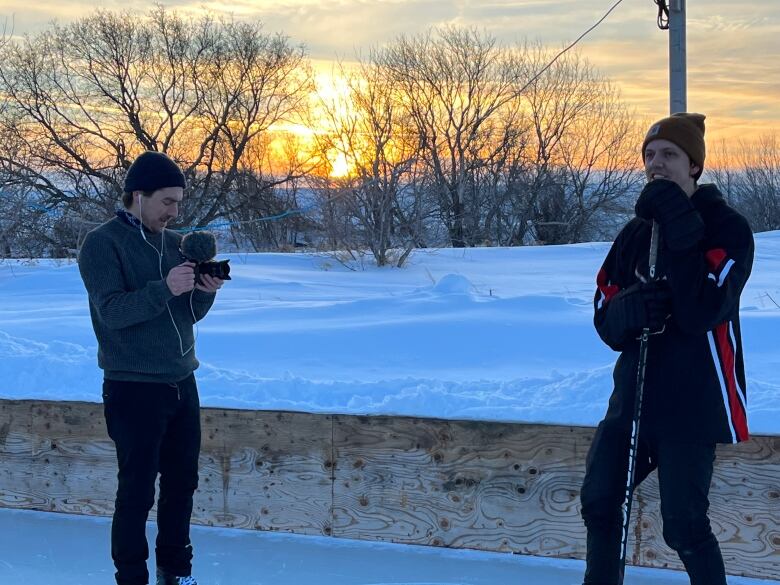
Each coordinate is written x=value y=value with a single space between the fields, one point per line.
x=156 y=429
x=684 y=477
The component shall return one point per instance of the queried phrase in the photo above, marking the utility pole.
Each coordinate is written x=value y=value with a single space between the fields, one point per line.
x=678 y=71
x=672 y=17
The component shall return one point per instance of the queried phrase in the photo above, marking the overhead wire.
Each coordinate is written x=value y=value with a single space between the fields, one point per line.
x=571 y=45
x=662 y=10
x=526 y=86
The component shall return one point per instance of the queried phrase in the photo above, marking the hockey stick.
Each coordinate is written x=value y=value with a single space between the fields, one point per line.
x=634 y=445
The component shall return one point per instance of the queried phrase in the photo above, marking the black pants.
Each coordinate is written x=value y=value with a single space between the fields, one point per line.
x=156 y=429
x=684 y=477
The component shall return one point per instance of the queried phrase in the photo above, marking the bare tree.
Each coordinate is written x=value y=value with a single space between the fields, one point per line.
x=582 y=160
x=600 y=162
x=445 y=138
x=376 y=139
x=511 y=160
x=458 y=86
x=86 y=98
x=252 y=82
x=266 y=209
x=749 y=177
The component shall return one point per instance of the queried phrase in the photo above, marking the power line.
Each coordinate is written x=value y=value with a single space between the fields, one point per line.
x=662 y=8
x=278 y=216
x=534 y=78
x=577 y=40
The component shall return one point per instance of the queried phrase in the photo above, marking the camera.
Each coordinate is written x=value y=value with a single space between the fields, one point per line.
x=216 y=268
x=200 y=247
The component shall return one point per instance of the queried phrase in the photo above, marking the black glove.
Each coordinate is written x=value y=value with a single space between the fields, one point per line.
x=665 y=202
x=644 y=304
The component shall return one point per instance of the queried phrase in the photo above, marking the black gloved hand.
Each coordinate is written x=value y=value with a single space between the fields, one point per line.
x=644 y=304
x=658 y=303
x=664 y=201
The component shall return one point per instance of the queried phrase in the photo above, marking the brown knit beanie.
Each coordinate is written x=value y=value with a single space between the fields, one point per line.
x=686 y=131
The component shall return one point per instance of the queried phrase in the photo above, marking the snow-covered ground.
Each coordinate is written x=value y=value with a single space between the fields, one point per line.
x=497 y=334
x=39 y=549
x=487 y=333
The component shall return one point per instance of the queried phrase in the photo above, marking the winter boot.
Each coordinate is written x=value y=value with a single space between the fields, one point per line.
x=164 y=578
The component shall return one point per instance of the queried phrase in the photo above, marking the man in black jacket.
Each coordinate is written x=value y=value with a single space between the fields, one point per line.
x=694 y=393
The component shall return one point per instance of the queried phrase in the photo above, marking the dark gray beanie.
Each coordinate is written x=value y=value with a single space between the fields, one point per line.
x=151 y=171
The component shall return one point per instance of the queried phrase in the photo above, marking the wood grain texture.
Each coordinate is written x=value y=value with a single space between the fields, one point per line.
x=15 y=454
x=266 y=471
x=72 y=459
x=465 y=484
x=460 y=484
x=744 y=511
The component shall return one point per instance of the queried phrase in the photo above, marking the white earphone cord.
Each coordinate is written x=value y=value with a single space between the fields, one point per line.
x=160 y=254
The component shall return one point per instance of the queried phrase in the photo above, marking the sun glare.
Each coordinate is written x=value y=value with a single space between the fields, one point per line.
x=339 y=166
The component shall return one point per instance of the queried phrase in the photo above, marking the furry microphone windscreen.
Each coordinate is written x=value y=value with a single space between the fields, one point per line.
x=199 y=246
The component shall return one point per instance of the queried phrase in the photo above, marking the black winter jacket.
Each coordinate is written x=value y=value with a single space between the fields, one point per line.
x=695 y=377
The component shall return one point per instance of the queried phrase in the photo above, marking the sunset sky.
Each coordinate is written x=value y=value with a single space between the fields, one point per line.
x=733 y=47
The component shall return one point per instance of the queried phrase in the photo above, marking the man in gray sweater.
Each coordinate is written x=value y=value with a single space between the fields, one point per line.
x=144 y=300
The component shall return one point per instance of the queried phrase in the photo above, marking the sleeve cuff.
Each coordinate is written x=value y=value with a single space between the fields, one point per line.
x=200 y=295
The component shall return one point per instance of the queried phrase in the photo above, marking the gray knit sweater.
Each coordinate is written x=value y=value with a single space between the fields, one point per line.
x=125 y=281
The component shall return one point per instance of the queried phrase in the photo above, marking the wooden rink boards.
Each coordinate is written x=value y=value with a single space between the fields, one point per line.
x=462 y=484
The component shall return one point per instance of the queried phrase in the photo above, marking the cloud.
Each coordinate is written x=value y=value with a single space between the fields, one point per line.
x=720 y=23
x=732 y=54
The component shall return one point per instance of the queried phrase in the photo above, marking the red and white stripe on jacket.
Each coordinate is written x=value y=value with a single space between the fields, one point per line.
x=724 y=349
x=606 y=288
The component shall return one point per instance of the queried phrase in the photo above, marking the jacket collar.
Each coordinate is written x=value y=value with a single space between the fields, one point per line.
x=706 y=194
x=130 y=219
